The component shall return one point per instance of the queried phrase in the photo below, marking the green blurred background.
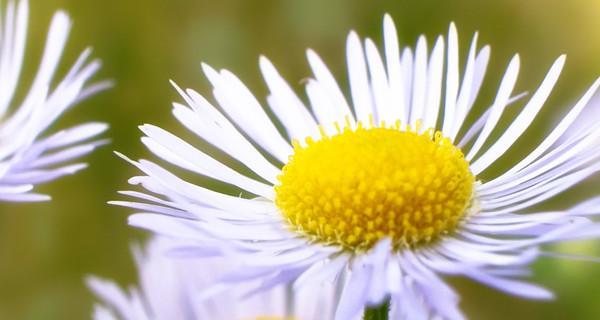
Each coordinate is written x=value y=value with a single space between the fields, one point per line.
x=46 y=249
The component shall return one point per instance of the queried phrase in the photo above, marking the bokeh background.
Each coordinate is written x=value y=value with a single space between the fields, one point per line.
x=47 y=249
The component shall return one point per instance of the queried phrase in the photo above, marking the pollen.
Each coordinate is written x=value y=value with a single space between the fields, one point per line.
x=361 y=185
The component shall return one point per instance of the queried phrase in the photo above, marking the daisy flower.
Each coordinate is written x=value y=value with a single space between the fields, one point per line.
x=26 y=158
x=169 y=289
x=379 y=192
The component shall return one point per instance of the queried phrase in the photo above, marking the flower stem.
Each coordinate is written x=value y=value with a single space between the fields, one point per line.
x=380 y=312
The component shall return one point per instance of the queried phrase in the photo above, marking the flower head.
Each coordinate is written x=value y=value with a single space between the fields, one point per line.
x=383 y=195
x=26 y=158
x=171 y=288
x=362 y=185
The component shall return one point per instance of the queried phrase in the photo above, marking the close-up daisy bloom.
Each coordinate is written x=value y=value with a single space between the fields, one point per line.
x=169 y=289
x=27 y=158
x=378 y=192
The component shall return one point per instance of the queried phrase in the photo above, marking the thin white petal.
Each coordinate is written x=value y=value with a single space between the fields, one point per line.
x=359 y=80
x=286 y=105
x=502 y=97
x=452 y=79
x=518 y=126
x=397 y=75
x=241 y=106
x=419 y=81
x=434 y=85
x=329 y=85
x=386 y=110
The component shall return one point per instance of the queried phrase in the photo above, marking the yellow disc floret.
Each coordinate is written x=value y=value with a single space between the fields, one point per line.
x=365 y=184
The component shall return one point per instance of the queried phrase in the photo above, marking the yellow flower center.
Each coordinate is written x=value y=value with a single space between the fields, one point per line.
x=365 y=184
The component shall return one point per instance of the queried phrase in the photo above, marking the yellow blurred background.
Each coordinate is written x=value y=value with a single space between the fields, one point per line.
x=47 y=248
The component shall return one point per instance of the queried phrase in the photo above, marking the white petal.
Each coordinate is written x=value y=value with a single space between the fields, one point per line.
x=359 y=80
x=518 y=126
x=419 y=81
x=180 y=153
x=354 y=296
x=286 y=105
x=397 y=71
x=502 y=98
x=326 y=81
x=463 y=104
x=452 y=79
x=241 y=106
x=386 y=110
x=434 y=85
x=514 y=287
x=559 y=130
x=211 y=125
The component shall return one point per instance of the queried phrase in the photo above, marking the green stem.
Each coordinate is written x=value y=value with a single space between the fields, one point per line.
x=380 y=312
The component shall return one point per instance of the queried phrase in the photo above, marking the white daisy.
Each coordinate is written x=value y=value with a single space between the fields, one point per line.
x=381 y=195
x=169 y=289
x=26 y=159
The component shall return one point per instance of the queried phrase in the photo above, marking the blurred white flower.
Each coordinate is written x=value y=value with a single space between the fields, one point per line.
x=27 y=158
x=172 y=288
x=382 y=195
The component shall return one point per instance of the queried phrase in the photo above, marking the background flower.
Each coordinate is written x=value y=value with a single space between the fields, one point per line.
x=27 y=156
x=170 y=287
x=46 y=254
